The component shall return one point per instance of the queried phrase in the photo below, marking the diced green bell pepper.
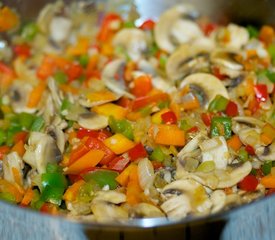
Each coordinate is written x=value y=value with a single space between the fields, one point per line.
x=271 y=51
x=60 y=77
x=83 y=60
x=29 y=31
x=53 y=168
x=26 y=120
x=103 y=178
x=266 y=167
x=253 y=31
x=184 y=125
x=65 y=105
x=37 y=124
x=52 y=194
x=122 y=126
x=8 y=197
x=218 y=104
x=243 y=155
x=158 y=155
x=11 y=133
x=221 y=126
x=3 y=136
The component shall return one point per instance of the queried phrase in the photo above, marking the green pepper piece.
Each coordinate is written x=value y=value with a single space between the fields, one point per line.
x=271 y=51
x=218 y=104
x=207 y=166
x=243 y=155
x=36 y=203
x=146 y=111
x=37 y=124
x=29 y=31
x=162 y=61
x=184 y=125
x=87 y=191
x=164 y=104
x=158 y=155
x=271 y=76
x=53 y=168
x=52 y=194
x=8 y=197
x=3 y=137
x=266 y=167
x=103 y=178
x=122 y=126
x=65 y=105
x=54 y=179
x=253 y=31
x=60 y=77
x=129 y=24
x=26 y=120
x=10 y=134
x=83 y=60
x=221 y=126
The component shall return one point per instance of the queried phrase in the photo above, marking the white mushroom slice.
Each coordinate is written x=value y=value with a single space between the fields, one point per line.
x=265 y=153
x=79 y=208
x=249 y=121
x=225 y=59
x=134 y=41
x=250 y=136
x=60 y=29
x=92 y=120
x=208 y=86
x=218 y=199
x=110 y=196
x=238 y=36
x=58 y=135
x=146 y=173
x=147 y=210
x=182 y=186
x=185 y=60
x=18 y=96
x=171 y=27
x=215 y=149
x=13 y=161
x=40 y=151
x=54 y=93
x=113 y=78
x=163 y=85
x=177 y=207
x=106 y=212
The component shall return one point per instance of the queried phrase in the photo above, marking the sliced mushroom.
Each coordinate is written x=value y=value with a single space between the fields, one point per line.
x=58 y=135
x=206 y=85
x=110 y=196
x=146 y=210
x=265 y=153
x=92 y=120
x=218 y=199
x=237 y=36
x=18 y=96
x=10 y=162
x=134 y=41
x=106 y=212
x=54 y=93
x=77 y=208
x=215 y=149
x=177 y=207
x=249 y=121
x=60 y=28
x=113 y=77
x=222 y=178
x=188 y=59
x=145 y=173
x=175 y=27
x=41 y=150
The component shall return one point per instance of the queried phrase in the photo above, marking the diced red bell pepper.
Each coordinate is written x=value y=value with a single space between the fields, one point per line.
x=73 y=71
x=23 y=50
x=218 y=74
x=169 y=117
x=3 y=151
x=145 y=101
x=250 y=149
x=83 y=132
x=206 y=118
x=49 y=208
x=78 y=152
x=118 y=163
x=157 y=164
x=74 y=177
x=94 y=143
x=124 y=102
x=147 y=25
x=231 y=109
x=20 y=136
x=261 y=92
x=193 y=129
x=208 y=28
x=138 y=151
x=270 y=191
x=249 y=183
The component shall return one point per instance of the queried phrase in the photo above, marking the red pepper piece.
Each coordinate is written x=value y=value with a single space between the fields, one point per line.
x=138 y=151
x=22 y=50
x=142 y=86
x=206 y=118
x=147 y=25
x=218 y=74
x=94 y=143
x=74 y=71
x=169 y=117
x=20 y=136
x=261 y=92
x=208 y=28
x=74 y=177
x=101 y=134
x=118 y=163
x=231 y=109
x=270 y=191
x=78 y=152
x=193 y=129
x=250 y=150
x=157 y=164
x=249 y=183
x=145 y=101
x=3 y=151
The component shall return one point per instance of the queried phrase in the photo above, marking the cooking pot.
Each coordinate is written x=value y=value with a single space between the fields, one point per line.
x=252 y=221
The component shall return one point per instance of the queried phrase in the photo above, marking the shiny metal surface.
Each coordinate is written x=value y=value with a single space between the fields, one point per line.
x=253 y=221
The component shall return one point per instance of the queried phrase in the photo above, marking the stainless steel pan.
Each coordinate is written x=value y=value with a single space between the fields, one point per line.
x=253 y=221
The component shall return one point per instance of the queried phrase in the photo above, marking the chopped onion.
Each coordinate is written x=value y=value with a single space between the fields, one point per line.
x=146 y=173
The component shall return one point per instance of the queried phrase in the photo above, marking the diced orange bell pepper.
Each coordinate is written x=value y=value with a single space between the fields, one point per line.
x=267 y=34
x=111 y=109
x=36 y=94
x=71 y=192
x=133 y=190
x=3 y=151
x=28 y=196
x=19 y=148
x=268 y=181
x=123 y=177
x=142 y=86
x=268 y=134
x=8 y=19
x=118 y=143
x=103 y=96
x=80 y=48
x=13 y=189
x=167 y=134
x=156 y=117
x=234 y=142
x=90 y=159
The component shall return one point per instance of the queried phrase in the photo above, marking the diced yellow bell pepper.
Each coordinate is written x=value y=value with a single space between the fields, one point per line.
x=156 y=118
x=81 y=47
x=111 y=109
x=103 y=96
x=118 y=143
